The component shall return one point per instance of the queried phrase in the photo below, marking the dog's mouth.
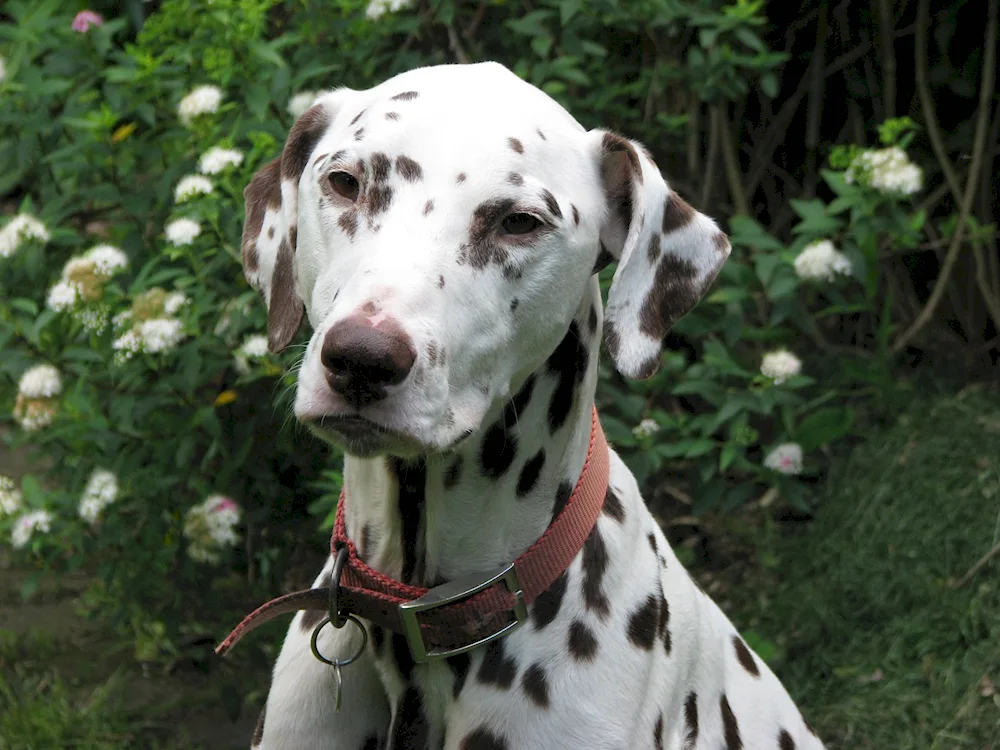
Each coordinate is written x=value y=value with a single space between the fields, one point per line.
x=361 y=436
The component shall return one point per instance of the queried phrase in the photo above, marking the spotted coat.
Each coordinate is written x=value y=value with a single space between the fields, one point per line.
x=474 y=229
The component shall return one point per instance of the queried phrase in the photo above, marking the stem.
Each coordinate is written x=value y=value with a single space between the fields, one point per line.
x=730 y=160
x=713 y=149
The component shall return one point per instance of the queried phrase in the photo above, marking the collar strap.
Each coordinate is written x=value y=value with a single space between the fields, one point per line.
x=459 y=615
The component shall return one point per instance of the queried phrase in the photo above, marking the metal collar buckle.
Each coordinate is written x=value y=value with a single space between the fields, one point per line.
x=455 y=591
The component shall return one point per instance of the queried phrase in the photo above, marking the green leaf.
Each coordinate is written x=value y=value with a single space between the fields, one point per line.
x=745 y=232
x=822 y=427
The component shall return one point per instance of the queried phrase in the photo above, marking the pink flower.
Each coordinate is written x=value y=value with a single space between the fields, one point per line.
x=85 y=19
x=224 y=503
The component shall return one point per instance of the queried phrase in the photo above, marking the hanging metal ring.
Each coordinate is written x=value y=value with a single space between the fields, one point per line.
x=338 y=663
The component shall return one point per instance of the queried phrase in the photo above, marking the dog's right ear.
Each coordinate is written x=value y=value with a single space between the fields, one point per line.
x=270 y=228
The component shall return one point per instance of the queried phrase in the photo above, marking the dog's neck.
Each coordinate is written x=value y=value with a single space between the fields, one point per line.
x=438 y=517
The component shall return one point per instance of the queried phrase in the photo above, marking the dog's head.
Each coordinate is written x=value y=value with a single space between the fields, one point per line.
x=439 y=231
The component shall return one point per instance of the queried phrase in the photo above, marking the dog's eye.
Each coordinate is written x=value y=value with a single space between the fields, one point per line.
x=519 y=224
x=345 y=185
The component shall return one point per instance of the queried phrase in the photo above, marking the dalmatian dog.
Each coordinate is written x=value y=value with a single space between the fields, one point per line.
x=442 y=233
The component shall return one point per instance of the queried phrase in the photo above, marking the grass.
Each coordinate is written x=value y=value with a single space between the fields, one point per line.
x=854 y=611
x=859 y=610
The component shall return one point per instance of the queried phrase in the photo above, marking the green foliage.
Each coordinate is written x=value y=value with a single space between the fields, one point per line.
x=164 y=382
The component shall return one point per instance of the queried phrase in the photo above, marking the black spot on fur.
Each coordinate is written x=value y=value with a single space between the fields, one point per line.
x=536 y=685
x=497 y=669
x=364 y=545
x=613 y=506
x=592 y=321
x=408 y=169
x=664 y=625
x=412 y=479
x=729 y=726
x=483 y=739
x=459 y=665
x=379 y=199
x=691 y=720
x=440 y=282
x=595 y=564
x=401 y=655
x=651 y=538
x=378 y=637
x=563 y=493
x=582 y=643
x=497 y=452
x=785 y=741
x=513 y=304
x=428 y=207
x=410 y=727
x=405 y=96
x=569 y=364
x=541 y=134
x=358 y=116
x=462 y=177
x=546 y=606
x=392 y=115
x=348 y=222
x=643 y=623
x=529 y=473
x=515 y=179
x=381 y=167
x=604 y=258
x=359 y=134
x=658 y=732
x=453 y=473
x=576 y=215
x=371 y=743
x=744 y=656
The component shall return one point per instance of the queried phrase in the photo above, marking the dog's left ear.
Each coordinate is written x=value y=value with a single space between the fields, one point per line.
x=668 y=254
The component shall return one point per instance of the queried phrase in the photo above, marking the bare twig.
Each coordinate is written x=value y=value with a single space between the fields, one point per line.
x=979 y=143
x=886 y=36
x=470 y=31
x=980 y=563
x=720 y=122
x=713 y=150
x=456 y=45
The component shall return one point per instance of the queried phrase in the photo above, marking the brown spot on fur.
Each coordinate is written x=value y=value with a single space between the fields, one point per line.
x=359 y=134
x=381 y=167
x=302 y=139
x=428 y=207
x=536 y=685
x=483 y=249
x=408 y=169
x=676 y=289
x=515 y=179
x=461 y=178
x=721 y=242
x=358 y=116
x=348 y=221
x=691 y=721
x=440 y=282
x=541 y=134
x=729 y=726
x=576 y=215
x=366 y=540
x=392 y=116
x=263 y=192
x=258 y=732
x=552 y=204
x=653 y=251
x=611 y=144
x=515 y=145
x=379 y=199
x=677 y=214
x=612 y=339
x=582 y=643
x=745 y=657
x=285 y=311
x=405 y=96
x=785 y=741
x=270 y=232
x=658 y=732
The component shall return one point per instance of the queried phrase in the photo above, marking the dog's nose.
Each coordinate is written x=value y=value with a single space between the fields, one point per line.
x=362 y=360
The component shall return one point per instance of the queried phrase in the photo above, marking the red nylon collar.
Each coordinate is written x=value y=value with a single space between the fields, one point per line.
x=365 y=592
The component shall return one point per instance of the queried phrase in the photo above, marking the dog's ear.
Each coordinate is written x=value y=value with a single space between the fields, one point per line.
x=270 y=228
x=668 y=254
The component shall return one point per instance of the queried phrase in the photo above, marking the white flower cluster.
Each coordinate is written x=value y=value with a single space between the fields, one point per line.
x=10 y=497
x=378 y=8
x=254 y=348
x=646 y=428
x=785 y=459
x=100 y=492
x=182 y=232
x=780 y=365
x=820 y=260
x=218 y=159
x=203 y=100
x=224 y=327
x=299 y=103
x=82 y=284
x=210 y=527
x=888 y=170
x=151 y=325
x=191 y=186
x=26 y=526
x=37 y=397
x=22 y=227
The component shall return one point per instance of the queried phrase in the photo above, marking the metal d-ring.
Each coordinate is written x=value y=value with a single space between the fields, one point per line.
x=338 y=663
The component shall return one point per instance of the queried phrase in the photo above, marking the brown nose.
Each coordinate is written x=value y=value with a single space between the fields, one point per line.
x=361 y=360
